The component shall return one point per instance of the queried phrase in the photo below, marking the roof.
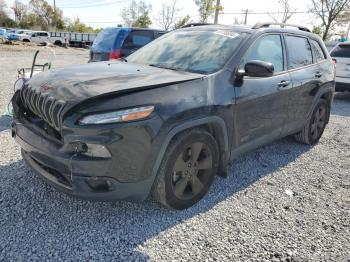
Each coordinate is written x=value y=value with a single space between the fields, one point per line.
x=138 y=28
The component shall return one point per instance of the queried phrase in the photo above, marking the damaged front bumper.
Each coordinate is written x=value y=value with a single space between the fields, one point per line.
x=73 y=173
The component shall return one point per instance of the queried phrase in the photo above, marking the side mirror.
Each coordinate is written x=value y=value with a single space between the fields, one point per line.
x=257 y=68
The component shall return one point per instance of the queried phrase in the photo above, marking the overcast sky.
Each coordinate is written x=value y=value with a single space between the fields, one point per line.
x=104 y=13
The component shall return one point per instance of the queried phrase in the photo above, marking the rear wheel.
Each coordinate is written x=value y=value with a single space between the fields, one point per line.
x=187 y=170
x=313 y=130
x=58 y=43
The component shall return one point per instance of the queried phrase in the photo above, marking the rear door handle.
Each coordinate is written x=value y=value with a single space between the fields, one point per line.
x=283 y=84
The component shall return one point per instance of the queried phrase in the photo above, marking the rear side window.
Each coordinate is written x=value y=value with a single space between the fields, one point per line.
x=299 y=52
x=106 y=40
x=268 y=49
x=317 y=50
x=138 y=38
x=341 y=51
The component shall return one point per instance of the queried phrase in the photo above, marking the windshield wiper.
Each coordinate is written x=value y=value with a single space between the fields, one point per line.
x=123 y=59
x=165 y=67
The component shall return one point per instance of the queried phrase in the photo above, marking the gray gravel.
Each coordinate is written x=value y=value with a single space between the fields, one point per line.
x=248 y=216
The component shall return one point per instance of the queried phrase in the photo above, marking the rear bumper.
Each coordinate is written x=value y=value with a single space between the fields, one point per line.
x=74 y=174
x=342 y=84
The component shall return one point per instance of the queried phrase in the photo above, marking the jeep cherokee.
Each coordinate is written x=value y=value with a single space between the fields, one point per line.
x=168 y=118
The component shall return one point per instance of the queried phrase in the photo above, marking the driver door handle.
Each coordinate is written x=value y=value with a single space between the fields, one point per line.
x=283 y=84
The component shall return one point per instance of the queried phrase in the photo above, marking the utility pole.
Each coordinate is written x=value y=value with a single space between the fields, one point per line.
x=348 y=32
x=54 y=14
x=246 y=11
x=217 y=7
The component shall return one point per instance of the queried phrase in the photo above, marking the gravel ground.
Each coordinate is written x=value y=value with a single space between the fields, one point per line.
x=282 y=202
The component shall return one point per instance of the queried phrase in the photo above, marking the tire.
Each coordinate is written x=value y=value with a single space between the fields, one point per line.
x=187 y=171
x=58 y=43
x=313 y=130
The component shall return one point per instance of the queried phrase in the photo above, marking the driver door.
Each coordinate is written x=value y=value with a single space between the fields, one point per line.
x=261 y=108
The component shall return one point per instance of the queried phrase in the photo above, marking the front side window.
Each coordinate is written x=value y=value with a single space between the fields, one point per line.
x=317 y=50
x=268 y=49
x=299 y=52
x=202 y=52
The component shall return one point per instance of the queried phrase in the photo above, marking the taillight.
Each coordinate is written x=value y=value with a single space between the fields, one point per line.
x=115 y=54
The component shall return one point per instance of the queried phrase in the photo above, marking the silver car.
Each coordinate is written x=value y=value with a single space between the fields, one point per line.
x=341 y=56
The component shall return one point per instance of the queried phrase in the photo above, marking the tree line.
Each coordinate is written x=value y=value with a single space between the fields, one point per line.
x=330 y=14
x=40 y=15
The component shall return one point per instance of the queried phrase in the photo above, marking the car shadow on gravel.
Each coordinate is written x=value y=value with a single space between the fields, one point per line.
x=5 y=122
x=38 y=221
x=342 y=107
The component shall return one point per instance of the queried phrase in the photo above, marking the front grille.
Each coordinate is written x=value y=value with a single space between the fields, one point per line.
x=43 y=106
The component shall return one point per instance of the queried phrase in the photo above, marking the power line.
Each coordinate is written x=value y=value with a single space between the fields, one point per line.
x=93 y=5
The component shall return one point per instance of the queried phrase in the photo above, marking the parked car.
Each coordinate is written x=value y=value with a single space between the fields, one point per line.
x=19 y=34
x=168 y=118
x=341 y=55
x=117 y=42
x=3 y=35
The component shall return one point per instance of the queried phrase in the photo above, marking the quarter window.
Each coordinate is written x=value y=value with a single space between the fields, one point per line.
x=317 y=50
x=299 y=52
x=268 y=49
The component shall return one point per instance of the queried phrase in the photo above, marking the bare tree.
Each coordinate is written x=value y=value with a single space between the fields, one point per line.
x=3 y=6
x=135 y=12
x=328 y=11
x=167 y=17
x=287 y=12
x=20 y=10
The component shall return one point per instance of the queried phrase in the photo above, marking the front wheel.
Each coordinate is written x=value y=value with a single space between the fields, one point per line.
x=313 y=130
x=187 y=170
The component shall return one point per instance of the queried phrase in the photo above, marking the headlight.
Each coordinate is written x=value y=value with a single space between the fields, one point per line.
x=127 y=115
x=19 y=84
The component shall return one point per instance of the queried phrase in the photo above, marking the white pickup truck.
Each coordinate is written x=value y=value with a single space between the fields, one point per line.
x=60 y=38
x=40 y=37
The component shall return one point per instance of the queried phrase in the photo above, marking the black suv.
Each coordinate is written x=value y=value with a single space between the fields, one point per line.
x=163 y=122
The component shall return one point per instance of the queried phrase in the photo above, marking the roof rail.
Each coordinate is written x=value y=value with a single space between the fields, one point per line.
x=195 y=24
x=268 y=24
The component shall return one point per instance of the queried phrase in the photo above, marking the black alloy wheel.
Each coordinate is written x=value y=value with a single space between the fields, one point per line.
x=192 y=170
x=187 y=170
x=313 y=130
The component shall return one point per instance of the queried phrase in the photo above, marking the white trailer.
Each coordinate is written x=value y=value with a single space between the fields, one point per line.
x=74 y=39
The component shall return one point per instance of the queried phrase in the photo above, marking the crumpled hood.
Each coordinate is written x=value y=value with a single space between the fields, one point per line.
x=75 y=84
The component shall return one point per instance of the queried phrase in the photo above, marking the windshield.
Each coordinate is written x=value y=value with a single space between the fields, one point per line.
x=202 y=52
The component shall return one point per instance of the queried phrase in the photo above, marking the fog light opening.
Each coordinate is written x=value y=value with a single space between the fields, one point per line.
x=100 y=185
